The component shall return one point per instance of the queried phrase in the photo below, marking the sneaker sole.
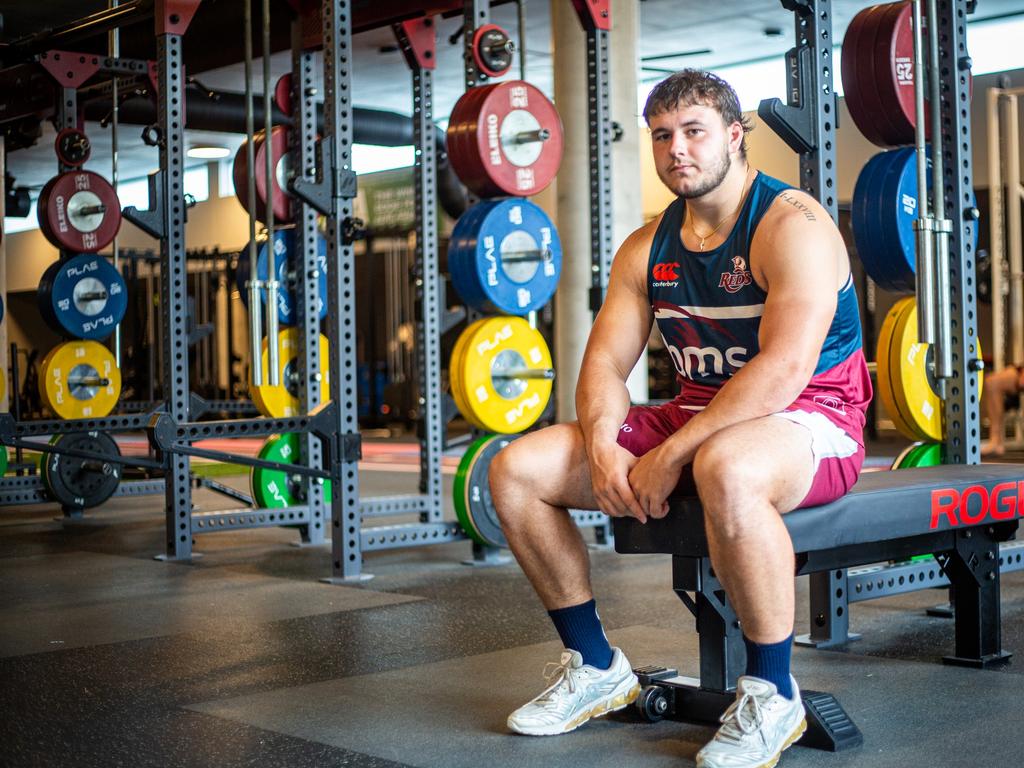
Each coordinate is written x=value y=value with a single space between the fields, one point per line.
x=793 y=738
x=611 y=704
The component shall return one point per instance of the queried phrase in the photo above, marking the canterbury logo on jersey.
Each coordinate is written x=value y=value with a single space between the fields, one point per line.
x=665 y=271
x=738 y=278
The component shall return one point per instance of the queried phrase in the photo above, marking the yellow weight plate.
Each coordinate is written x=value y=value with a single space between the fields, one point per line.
x=457 y=364
x=886 y=366
x=80 y=380
x=511 y=403
x=282 y=401
x=913 y=384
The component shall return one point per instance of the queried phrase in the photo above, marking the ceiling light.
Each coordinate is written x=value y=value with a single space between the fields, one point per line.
x=209 y=153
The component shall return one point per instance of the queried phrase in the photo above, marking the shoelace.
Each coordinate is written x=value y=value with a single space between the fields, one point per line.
x=555 y=676
x=744 y=715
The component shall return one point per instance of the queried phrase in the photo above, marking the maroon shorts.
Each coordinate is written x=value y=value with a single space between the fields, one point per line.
x=837 y=455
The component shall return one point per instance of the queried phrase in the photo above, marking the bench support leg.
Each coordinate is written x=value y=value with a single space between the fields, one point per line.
x=830 y=610
x=973 y=571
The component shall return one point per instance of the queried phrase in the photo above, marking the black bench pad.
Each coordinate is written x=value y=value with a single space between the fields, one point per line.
x=882 y=506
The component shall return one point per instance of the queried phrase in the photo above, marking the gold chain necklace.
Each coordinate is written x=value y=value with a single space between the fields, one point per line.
x=703 y=238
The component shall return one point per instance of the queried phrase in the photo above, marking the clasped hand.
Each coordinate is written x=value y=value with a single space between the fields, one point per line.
x=625 y=486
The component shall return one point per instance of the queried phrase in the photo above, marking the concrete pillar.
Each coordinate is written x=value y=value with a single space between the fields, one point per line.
x=572 y=311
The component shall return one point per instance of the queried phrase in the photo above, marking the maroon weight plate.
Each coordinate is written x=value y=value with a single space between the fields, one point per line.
x=41 y=202
x=892 y=67
x=852 y=87
x=459 y=136
x=74 y=221
x=508 y=110
x=278 y=146
x=72 y=147
x=881 y=131
x=283 y=93
x=240 y=171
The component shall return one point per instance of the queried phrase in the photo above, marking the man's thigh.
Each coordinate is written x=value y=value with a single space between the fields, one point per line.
x=554 y=462
x=797 y=459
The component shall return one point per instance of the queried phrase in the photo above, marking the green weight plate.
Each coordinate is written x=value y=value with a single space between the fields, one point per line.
x=898 y=461
x=3 y=461
x=273 y=488
x=925 y=455
x=474 y=507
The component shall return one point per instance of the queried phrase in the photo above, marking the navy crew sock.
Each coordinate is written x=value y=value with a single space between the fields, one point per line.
x=580 y=628
x=770 y=661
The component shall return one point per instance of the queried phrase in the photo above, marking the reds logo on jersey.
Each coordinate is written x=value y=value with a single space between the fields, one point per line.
x=739 y=277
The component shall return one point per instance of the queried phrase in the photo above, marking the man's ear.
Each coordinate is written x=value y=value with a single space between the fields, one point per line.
x=735 y=136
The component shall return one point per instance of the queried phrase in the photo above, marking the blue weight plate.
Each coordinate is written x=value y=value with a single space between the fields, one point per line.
x=86 y=295
x=242 y=272
x=901 y=193
x=1 y=309
x=864 y=220
x=512 y=229
x=285 y=255
x=460 y=255
x=43 y=294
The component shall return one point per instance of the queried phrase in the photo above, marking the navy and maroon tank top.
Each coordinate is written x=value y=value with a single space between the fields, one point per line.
x=708 y=309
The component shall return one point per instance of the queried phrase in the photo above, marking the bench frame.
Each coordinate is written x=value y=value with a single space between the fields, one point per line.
x=969 y=556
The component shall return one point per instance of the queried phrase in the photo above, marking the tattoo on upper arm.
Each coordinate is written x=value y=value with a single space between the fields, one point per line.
x=805 y=210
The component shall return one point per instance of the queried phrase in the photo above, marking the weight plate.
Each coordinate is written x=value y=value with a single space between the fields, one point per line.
x=81 y=211
x=280 y=160
x=913 y=383
x=286 y=263
x=78 y=482
x=1 y=309
x=282 y=401
x=471 y=492
x=508 y=257
x=873 y=37
x=894 y=70
x=497 y=146
x=457 y=363
x=3 y=460
x=83 y=297
x=72 y=147
x=491 y=50
x=274 y=488
x=924 y=455
x=886 y=370
x=80 y=380
x=902 y=456
x=283 y=93
x=853 y=86
x=496 y=351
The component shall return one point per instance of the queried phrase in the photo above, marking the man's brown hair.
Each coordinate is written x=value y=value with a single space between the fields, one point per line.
x=691 y=87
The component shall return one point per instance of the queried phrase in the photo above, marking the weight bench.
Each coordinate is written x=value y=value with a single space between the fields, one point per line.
x=957 y=513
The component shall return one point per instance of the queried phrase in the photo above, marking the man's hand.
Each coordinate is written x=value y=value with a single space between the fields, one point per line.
x=609 y=473
x=652 y=479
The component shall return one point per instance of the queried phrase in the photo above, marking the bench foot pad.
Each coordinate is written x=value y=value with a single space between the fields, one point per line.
x=990 y=660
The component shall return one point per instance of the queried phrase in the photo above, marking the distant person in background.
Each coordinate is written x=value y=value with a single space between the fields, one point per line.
x=1000 y=394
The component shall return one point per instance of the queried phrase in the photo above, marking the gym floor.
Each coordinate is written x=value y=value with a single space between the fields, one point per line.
x=110 y=658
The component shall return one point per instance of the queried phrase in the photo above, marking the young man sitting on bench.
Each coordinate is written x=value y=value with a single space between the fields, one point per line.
x=749 y=282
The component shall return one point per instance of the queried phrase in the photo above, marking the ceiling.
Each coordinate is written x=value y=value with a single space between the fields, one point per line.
x=734 y=31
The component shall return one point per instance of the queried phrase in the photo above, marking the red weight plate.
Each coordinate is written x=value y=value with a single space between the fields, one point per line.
x=880 y=130
x=889 y=72
x=851 y=86
x=41 y=203
x=458 y=136
x=466 y=141
x=478 y=58
x=71 y=223
x=283 y=93
x=240 y=171
x=898 y=82
x=509 y=109
x=282 y=203
x=72 y=147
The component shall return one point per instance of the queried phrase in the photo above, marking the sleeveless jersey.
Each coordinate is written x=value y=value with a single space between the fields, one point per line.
x=708 y=309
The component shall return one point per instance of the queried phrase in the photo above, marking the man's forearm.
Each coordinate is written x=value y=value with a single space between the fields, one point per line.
x=602 y=403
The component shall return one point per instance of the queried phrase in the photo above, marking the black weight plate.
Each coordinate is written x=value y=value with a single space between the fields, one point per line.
x=73 y=481
x=483 y=517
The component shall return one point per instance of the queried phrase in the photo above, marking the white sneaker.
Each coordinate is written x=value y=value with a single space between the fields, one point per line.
x=756 y=728
x=577 y=693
